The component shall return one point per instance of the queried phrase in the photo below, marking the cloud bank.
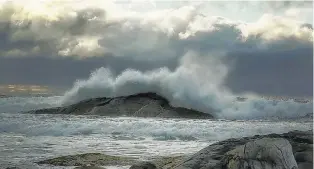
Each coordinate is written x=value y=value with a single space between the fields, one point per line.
x=72 y=28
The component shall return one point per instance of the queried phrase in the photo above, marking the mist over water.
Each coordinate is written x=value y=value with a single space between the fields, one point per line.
x=19 y=104
x=196 y=83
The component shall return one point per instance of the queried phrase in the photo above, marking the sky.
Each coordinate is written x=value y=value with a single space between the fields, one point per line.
x=263 y=47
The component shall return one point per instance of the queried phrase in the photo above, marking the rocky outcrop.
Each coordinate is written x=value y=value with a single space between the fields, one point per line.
x=265 y=153
x=89 y=167
x=88 y=160
x=168 y=162
x=144 y=165
x=139 y=105
x=280 y=151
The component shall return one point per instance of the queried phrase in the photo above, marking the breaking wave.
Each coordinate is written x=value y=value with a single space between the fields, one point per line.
x=127 y=128
x=196 y=83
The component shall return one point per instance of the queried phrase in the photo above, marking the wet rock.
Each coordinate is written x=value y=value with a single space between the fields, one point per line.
x=168 y=162
x=266 y=153
x=138 y=105
x=217 y=155
x=89 y=167
x=92 y=159
x=144 y=165
x=305 y=165
x=306 y=156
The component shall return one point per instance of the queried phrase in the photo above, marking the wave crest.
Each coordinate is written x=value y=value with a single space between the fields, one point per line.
x=196 y=83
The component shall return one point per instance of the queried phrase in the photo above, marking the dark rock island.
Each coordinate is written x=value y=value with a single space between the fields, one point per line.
x=138 y=105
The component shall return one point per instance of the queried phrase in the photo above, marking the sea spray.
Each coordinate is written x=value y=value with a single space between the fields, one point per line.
x=196 y=83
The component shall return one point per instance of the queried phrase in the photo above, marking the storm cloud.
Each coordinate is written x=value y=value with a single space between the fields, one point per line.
x=58 y=42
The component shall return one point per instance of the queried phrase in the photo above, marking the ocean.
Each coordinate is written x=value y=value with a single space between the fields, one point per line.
x=27 y=138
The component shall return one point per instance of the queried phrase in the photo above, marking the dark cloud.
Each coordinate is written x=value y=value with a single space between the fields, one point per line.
x=264 y=72
x=270 y=56
x=64 y=71
x=282 y=73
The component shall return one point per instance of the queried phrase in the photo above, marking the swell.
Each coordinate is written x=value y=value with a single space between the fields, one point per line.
x=126 y=128
x=196 y=83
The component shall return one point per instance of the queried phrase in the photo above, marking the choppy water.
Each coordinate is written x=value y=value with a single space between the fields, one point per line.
x=26 y=138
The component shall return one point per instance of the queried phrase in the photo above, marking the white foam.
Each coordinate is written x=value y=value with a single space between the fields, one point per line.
x=30 y=137
x=197 y=83
x=125 y=128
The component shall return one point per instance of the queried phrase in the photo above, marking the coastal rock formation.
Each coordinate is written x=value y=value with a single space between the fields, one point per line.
x=144 y=165
x=88 y=160
x=139 y=105
x=292 y=150
x=265 y=153
x=89 y=167
x=280 y=151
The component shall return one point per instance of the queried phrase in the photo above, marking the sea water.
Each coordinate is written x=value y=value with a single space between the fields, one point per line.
x=28 y=138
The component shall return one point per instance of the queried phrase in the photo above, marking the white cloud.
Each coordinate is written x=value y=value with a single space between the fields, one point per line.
x=70 y=28
x=272 y=28
x=81 y=47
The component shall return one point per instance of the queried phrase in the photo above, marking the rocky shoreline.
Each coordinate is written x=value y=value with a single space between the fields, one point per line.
x=292 y=150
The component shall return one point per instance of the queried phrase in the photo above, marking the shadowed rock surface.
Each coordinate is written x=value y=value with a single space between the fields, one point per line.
x=83 y=160
x=89 y=167
x=266 y=151
x=144 y=165
x=139 y=105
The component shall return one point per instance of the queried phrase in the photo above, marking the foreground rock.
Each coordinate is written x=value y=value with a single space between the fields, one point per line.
x=139 y=105
x=274 y=151
x=265 y=153
x=168 y=162
x=89 y=160
x=144 y=165
x=89 y=167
